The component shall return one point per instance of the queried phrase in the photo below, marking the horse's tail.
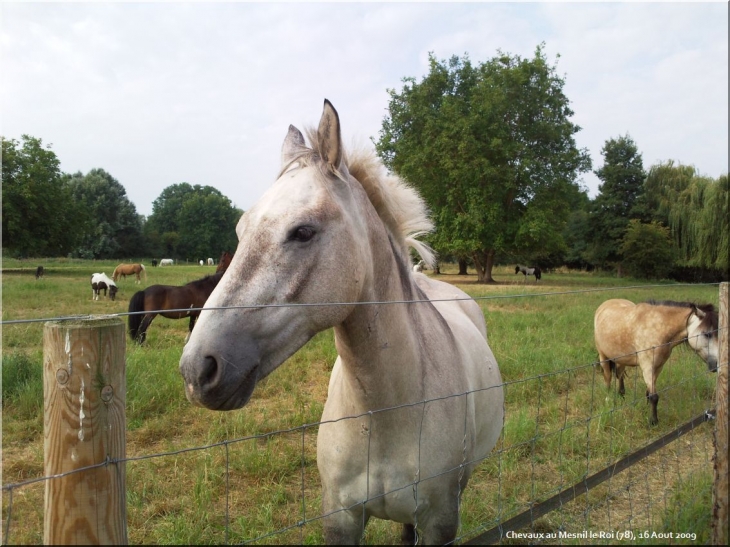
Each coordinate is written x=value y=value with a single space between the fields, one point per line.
x=144 y=271
x=136 y=304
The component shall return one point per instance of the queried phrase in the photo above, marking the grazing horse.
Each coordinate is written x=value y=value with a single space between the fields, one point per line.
x=211 y=262
x=158 y=299
x=224 y=262
x=420 y=266
x=39 y=272
x=154 y=262
x=328 y=246
x=124 y=270
x=529 y=271
x=101 y=282
x=167 y=262
x=643 y=335
x=201 y=262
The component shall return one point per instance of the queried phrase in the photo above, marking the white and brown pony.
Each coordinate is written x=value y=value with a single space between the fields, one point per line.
x=643 y=335
x=101 y=282
x=533 y=270
x=123 y=270
x=415 y=398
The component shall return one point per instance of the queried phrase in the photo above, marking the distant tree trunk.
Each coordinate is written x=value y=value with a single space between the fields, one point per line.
x=437 y=269
x=484 y=262
x=619 y=273
x=462 y=266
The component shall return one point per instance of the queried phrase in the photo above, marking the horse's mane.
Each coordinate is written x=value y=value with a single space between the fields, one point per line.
x=711 y=319
x=398 y=205
x=212 y=278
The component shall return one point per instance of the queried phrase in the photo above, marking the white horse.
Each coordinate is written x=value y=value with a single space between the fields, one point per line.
x=420 y=266
x=338 y=228
x=211 y=262
x=167 y=262
x=102 y=282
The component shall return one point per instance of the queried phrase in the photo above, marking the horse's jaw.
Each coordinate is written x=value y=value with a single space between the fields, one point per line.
x=223 y=360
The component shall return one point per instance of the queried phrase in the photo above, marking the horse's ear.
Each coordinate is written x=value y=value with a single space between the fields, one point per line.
x=698 y=312
x=328 y=135
x=293 y=144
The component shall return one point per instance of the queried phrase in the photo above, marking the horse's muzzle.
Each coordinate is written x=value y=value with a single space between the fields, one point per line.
x=216 y=382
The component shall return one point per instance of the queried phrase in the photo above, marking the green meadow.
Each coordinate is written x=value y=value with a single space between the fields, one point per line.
x=261 y=485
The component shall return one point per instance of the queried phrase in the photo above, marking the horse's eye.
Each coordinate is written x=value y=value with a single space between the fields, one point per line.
x=708 y=335
x=302 y=234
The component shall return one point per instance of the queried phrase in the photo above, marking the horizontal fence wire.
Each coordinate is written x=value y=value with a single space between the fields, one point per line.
x=369 y=303
x=496 y=533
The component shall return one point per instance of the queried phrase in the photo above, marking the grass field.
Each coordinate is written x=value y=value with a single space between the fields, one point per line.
x=561 y=424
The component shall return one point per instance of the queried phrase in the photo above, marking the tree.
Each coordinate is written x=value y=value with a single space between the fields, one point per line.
x=39 y=215
x=695 y=208
x=491 y=149
x=618 y=201
x=647 y=250
x=192 y=222
x=112 y=227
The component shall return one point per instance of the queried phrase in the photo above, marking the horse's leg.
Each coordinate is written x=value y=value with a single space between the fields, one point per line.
x=606 y=367
x=650 y=374
x=142 y=332
x=408 y=535
x=190 y=328
x=620 y=373
x=342 y=527
x=442 y=527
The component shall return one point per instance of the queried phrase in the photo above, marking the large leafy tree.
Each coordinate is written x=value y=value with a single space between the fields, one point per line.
x=112 y=227
x=695 y=208
x=39 y=215
x=491 y=149
x=192 y=221
x=620 y=199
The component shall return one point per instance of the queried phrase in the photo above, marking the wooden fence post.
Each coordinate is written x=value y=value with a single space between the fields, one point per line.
x=719 y=492
x=84 y=388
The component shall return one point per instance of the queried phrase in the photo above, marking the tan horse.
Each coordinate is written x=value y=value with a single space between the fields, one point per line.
x=124 y=270
x=415 y=398
x=643 y=335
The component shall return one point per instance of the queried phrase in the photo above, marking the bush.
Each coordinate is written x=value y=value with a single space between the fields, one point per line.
x=647 y=250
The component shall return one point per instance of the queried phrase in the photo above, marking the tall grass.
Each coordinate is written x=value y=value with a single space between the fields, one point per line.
x=561 y=423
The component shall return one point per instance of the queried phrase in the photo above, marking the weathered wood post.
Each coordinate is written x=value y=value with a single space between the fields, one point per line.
x=84 y=388
x=719 y=492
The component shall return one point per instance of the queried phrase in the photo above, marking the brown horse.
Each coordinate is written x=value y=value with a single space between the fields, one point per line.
x=171 y=301
x=643 y=335
x=124 y=270
x=224 y=262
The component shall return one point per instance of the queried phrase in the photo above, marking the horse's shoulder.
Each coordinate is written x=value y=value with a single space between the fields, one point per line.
x=453 y=303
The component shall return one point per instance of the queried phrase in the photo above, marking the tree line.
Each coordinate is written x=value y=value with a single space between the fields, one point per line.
x=491 y=148
x=49 y=213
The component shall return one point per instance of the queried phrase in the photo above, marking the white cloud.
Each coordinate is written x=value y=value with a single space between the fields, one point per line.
x=160 y=93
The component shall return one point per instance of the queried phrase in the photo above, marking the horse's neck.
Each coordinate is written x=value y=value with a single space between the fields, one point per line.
x=378 y=344
x=674 y=324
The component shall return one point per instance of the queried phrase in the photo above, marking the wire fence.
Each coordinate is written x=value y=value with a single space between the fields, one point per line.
x=553 y=477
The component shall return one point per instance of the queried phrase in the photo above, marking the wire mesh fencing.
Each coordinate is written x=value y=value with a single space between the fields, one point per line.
x=562 y=428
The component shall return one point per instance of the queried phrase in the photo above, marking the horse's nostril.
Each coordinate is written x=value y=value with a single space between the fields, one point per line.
x=209 y=371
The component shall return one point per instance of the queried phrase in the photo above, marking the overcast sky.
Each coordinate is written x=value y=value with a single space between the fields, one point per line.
x=168 y=92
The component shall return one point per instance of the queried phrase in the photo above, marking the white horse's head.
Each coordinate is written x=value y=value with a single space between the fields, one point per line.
x=308 y=240
x=702 y=330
